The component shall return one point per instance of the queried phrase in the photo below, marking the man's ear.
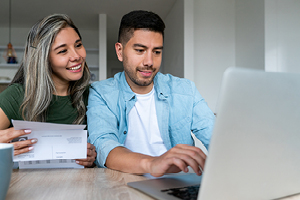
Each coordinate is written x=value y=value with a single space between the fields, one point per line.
x=119 y=51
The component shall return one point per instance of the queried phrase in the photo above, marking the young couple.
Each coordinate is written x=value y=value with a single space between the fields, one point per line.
x=140 y=121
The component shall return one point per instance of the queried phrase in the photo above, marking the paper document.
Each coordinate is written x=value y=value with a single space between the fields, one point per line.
x=55 y=141
x=42 y=126
x=59 y=163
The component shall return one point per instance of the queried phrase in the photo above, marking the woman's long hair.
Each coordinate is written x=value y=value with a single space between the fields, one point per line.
x=35 y=71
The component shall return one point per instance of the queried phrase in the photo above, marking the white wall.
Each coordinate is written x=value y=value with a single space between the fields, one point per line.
x=282 y=33
x=200 y=35
x=173 y=52
x=249 y=34
x=178 y=54
x=214 y=45
x=188 y=39
x=226 y=33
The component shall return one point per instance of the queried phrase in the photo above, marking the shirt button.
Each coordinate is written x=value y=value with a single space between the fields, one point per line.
x=125 y=132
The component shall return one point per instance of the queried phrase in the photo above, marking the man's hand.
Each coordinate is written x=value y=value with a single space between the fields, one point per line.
x=20 y=147
x=177 y=159
x=91 y=157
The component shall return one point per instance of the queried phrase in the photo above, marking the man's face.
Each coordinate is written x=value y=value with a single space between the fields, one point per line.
x=141 y=57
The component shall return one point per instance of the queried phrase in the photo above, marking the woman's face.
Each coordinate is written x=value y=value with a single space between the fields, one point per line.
x=67 y=57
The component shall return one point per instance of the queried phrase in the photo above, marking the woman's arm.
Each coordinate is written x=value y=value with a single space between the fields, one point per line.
x=8 y=134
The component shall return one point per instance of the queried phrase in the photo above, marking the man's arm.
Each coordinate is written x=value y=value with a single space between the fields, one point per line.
x=203 y=118
x=175 y=160
x=103 y=125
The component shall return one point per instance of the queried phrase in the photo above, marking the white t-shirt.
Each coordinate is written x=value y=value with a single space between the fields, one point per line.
x=143 y=133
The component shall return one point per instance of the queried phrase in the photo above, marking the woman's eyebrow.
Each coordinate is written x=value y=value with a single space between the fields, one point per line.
x=63 y=45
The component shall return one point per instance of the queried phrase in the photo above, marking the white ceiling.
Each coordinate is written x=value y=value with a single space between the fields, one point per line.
x=84 y=13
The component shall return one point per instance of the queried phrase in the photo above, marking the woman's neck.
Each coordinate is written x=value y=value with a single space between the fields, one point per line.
x=61 y=89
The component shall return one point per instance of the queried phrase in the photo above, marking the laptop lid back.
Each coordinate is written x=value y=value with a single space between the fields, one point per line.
x=255 y=147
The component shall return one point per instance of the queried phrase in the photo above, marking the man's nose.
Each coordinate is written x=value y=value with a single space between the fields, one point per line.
x=148 y=59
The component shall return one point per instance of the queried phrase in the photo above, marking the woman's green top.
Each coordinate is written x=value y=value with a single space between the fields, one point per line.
x=60 y=110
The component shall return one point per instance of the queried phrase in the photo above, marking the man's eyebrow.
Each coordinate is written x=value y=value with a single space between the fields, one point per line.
x=159 y=47
x=143 y=46
x=139 y=45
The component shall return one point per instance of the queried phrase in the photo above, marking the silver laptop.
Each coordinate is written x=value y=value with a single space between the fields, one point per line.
x=255 y=148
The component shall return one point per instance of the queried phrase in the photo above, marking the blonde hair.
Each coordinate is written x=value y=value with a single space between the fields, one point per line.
x=35 y=71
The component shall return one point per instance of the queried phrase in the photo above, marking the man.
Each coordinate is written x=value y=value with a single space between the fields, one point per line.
x=140 y=121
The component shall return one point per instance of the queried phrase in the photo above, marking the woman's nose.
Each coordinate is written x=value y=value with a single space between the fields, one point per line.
x=75 y=56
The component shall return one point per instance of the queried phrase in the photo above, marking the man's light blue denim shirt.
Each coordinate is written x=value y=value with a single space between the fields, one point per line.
x=179 y=106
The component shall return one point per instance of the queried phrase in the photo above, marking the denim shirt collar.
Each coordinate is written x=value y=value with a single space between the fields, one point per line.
x=126 y=90
x=161 y=87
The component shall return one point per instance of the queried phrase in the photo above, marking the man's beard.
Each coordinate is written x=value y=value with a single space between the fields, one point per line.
x=133 y=76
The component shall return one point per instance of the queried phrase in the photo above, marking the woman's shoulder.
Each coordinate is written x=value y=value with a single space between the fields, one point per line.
x=15 y=89
x=10 y=101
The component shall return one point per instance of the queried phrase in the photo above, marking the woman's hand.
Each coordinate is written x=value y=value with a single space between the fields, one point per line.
x=91 y=157
x=7 y=136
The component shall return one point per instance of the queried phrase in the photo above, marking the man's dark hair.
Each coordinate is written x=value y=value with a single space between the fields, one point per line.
x=139 y=19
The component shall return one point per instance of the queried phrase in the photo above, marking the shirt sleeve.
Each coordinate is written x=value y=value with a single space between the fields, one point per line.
x=203 y=118
x=11 y=100
x=102 y=126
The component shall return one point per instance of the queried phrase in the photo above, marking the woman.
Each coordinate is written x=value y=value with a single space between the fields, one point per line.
x=51 y=84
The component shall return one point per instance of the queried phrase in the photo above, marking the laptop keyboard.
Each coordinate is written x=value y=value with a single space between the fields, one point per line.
x=186 y=193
